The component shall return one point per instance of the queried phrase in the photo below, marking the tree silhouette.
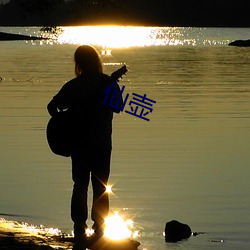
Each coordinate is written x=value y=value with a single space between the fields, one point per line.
x=37 y=6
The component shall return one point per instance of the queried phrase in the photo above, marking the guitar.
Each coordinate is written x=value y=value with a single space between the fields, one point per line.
x=60 y=127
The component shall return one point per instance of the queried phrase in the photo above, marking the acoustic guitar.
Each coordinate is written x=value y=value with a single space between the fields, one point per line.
x=59 y=128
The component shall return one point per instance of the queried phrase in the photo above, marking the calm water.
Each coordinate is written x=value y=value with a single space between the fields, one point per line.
x=190 y=162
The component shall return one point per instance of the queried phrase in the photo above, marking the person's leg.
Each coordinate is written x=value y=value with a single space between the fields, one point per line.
x=99 y=178
x=79 y=207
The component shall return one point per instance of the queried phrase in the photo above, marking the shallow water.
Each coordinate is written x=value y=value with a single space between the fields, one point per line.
x=190 y=162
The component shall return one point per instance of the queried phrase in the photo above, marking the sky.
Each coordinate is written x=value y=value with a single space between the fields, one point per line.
x=187 y=13
x=208 y=12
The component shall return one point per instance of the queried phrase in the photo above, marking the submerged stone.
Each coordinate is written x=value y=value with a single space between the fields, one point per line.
x=176 y=231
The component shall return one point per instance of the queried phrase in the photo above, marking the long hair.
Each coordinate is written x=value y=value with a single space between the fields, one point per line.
x=87 y=60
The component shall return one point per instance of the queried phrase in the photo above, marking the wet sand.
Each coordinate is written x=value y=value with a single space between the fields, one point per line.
x=12 y=241
x=15 y=235
x=9 y=241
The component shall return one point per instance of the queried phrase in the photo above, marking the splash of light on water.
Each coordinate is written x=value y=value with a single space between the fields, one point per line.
x=30 y=229
x=106 y=36
x=109 y=37
x=117 y=228
x=89 y=232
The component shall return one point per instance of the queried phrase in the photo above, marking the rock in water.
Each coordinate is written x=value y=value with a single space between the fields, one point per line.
x=176 y=231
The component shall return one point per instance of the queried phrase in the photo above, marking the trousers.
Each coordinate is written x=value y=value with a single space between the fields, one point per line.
x=94 y=163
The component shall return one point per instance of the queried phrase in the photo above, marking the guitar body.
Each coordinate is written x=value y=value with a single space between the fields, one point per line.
x=59 y=133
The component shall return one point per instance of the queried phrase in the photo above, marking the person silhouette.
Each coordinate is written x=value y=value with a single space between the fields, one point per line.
x=91 y=145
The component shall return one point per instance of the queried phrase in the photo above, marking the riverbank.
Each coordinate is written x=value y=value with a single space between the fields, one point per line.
x=15 y=37
x=17 y=236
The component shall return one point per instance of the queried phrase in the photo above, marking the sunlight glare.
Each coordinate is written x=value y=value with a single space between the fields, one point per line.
x=117 y=228
x=107 y=36
x=108 y=189
x=89 y=232
x=28 y=229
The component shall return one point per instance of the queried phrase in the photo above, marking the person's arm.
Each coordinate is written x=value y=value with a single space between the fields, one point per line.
x=61 y=100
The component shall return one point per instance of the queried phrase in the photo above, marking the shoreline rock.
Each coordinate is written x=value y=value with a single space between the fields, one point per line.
x=240 y=43
x=17 y=37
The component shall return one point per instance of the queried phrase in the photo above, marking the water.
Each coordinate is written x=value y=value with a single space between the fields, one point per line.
x=190 y=162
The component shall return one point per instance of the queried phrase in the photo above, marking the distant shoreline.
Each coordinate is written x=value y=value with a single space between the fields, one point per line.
x=139 y=24
x=17 y=37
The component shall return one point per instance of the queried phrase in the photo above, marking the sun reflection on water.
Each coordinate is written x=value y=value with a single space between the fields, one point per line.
x=107 y=36
x=127 y=36
x=116 y=228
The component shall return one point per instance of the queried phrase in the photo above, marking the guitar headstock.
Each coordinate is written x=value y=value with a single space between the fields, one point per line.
x=119 y=73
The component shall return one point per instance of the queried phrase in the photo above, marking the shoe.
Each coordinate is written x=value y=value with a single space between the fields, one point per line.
x=81 y=242
x=98 y=234
x=80 y=237
x=79 y=229
x=78 y=247
x=98 y=229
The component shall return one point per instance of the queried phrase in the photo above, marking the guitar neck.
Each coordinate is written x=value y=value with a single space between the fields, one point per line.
x=118 y=73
